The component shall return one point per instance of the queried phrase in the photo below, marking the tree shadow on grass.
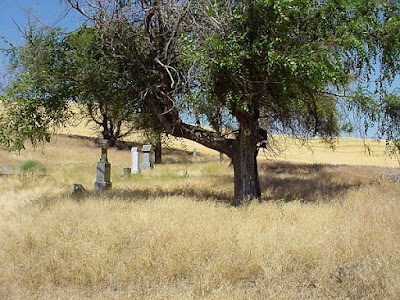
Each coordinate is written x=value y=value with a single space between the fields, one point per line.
x=312 y=182
x=190 y=193
x=279 y=181
x=211 y=191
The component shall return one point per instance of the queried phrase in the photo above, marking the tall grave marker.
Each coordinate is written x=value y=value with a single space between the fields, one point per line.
x=103 y=170
x=135 y=160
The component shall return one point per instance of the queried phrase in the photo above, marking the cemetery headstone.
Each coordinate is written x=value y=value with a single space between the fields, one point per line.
x=78 y=188
x=103 y=170
x=135 y=160
x=5 y=170
x=147 y=157
x=126 y=172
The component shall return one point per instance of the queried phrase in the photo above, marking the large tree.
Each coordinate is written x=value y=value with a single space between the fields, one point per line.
x=288 y=63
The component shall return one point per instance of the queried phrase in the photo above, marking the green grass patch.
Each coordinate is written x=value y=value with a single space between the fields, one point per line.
x=32 y=166
x=211 y=169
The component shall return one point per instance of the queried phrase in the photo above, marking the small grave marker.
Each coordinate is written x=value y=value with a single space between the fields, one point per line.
x=5 y=170
x=78 y=188
x=126 y=172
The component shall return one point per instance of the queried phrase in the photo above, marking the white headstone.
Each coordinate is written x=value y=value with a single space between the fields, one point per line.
x=135 y=160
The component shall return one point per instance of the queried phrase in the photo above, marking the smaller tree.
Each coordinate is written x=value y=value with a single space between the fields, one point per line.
x=55 y=69
x=104 y=92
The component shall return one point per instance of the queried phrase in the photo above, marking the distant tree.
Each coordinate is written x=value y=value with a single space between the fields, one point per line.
x=390 y=120
x=101 y=86
x=159 y=24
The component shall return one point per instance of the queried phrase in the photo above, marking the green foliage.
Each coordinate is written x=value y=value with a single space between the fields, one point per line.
x=52 y=69
x=391 y=110
x=32 y=166
x=291 y=58
x=34 y=103
x=27 y=118
x=390 y=122
x=106 y=87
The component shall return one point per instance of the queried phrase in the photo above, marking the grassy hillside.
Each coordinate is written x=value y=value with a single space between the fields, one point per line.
x=324 y=230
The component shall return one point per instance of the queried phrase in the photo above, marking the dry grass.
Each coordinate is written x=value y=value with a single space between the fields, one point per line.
x=350 y=151
x=322 y=232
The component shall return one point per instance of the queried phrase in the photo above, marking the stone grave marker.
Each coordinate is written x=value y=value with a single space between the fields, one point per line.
x=103 y=170
x=126 y=172
x=5 y=170
x=147 y=161
x=135 y=160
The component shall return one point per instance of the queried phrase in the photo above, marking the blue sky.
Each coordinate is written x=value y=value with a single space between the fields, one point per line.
x=46 y=12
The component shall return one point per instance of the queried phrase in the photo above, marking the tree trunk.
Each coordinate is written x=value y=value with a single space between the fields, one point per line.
x=244 y=160
x=158 y=152
x=107 y=135
x=112 y=141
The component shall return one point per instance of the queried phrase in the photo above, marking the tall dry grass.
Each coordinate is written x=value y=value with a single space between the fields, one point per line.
x=321 y=232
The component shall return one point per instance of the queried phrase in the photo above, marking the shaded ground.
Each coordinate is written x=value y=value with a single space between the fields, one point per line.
x=281 y=181
x=312 y=182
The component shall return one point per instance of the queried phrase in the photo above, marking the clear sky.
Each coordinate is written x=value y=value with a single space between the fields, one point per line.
x=16 y=13
x=46 y=12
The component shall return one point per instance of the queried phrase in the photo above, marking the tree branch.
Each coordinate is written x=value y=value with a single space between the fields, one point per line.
x=75 y=5
x=205 y=137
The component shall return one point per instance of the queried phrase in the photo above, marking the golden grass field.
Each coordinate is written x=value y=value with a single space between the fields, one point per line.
x=327 y=227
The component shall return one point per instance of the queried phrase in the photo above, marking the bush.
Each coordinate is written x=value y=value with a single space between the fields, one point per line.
x=32 y=166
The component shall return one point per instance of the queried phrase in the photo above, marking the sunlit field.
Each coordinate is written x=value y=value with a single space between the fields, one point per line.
x=327 y=226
